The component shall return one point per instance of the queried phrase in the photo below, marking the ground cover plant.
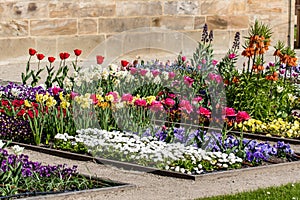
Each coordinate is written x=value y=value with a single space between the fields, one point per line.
x=172 y=115
x=289 y=191
x=21 y=177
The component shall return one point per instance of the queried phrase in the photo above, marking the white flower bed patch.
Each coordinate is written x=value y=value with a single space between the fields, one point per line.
x=148 y=151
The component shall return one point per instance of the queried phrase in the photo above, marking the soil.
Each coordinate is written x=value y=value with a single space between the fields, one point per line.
x=150 y=186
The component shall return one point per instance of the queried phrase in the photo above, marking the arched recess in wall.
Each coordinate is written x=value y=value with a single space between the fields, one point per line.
x=160 y=39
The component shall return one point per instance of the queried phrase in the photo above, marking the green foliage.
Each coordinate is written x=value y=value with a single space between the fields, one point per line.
x=289 y=191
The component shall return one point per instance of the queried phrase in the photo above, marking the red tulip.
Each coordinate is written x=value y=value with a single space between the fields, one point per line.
x=40 y=56
x=77 y=52
x=124 y=63
x=99 y=59
x=64 y=55
x=51 y=59
x=32 y=51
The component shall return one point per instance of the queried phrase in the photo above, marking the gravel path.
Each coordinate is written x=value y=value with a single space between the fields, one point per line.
x=149 y=186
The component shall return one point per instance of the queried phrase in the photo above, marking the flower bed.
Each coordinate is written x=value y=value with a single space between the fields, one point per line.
x=21 y=177
x=161 y=115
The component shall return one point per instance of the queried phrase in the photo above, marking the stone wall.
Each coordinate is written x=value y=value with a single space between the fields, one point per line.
x=55 y=26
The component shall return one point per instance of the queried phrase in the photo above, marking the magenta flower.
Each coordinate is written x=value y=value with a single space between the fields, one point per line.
x=188 y=81
x=271 y=64
x=204 y=111
x=214 y=62
x=203 y=61
x=171 y=75
x=197 y=99
x=94 y=99
x=231 y=56
x=211 y=76
x=171 y=95
x=56 y=90
x=127 y=97
x=73 y=94
x=114 y=94
x=215 y=77
x=218 y=78
x=156 y=106
x=155 y=73
x=295 y=74
x=143 y=72
x=169 y=102
x=242 y=116
x=186 y=106
x=230 y=112
x=133 y=70
x=183 y=58
x=140 y=102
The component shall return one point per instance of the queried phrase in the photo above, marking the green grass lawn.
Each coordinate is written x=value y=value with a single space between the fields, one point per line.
x=285 y=192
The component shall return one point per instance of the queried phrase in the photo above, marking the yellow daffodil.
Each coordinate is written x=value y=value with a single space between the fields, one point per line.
x=65 y=104
x=39 y=97
x=109 y=98
x=150 y=99
x=27 y=104
x=50 y=102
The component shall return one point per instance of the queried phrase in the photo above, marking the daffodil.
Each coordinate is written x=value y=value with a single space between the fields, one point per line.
x=150 y=99
x=50 y=101
x=109 y=98
x=27 y=104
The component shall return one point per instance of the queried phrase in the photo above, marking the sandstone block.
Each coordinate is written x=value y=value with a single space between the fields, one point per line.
x=181 y=8
x=221 y=41
x=63 y=9
x=138 y=8
x=238 y=22
x=217 y=22
x=97 y=9
x=14 y=28
x=110 y=25
x=213 y=7
x=140 y=41
x=47 y=46
x=87 y=26
x=199 y=22
x=23 y=10
x=16 y=49
x=53 y=27
x=237 y=7
x=174 y=22
x=82 y=9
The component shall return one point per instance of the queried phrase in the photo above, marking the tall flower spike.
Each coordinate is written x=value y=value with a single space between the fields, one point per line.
x=204 y=33
x=236 y=42
x=211 y=36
